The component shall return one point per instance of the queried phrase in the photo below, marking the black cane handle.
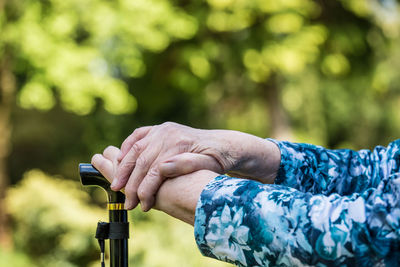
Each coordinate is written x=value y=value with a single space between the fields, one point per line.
x=90 y=176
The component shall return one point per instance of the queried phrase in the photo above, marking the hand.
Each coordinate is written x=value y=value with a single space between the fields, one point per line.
x=150 y=154
x=177 y=197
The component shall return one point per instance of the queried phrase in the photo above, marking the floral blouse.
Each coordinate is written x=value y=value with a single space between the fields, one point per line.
x=326 y=208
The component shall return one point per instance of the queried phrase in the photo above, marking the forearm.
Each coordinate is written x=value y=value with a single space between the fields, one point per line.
x=246 y=155
x=178 y=196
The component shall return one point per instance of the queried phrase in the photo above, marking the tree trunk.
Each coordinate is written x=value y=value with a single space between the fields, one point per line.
x=280 y=126
x=7 y=91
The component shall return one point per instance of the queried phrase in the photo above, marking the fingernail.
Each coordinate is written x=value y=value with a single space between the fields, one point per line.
x=128 y=204
x=143 y=206
x=114 y=183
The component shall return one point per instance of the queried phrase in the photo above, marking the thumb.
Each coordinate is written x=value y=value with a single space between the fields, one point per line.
x=187 y=163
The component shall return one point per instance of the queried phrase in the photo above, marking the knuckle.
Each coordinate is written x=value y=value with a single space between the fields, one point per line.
x=128 y=140
x=136 y=131
x=183 y=143
x=130 y=191
x=143 y=194
x=137 y=148
x=140 y=129
x=126 y=165
x=169 y=125
x=108 y=149
x=153 y=173
x=142 y=162
x=95 y=159
x=183 y=140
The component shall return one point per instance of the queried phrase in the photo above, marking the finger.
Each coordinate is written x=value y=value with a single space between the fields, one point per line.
x=148 y=188
x=137 y=135
x=127 y=165
x=143 y=163
x=111 y=153
x=187 y=163
x=103 y=165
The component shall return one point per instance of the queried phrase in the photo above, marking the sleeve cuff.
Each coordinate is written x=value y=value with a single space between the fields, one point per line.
x=204 y=205
x=281 y=177
x=211 y=216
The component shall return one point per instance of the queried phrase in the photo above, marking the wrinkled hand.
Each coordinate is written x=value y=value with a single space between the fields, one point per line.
x=177 y=197
x=151 y=154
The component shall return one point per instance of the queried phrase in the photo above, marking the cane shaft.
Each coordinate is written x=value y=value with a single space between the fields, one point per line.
x=118 y=247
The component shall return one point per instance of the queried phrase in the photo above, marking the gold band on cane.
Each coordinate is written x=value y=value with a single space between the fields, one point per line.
x=115 y=206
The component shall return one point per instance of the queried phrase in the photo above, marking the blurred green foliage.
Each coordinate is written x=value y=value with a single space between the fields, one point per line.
x=14 y=259
x=54 y=225
x=90 y=71
x=61 y=48
x=52 y=220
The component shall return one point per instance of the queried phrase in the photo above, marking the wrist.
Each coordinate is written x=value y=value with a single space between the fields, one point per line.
x=178 y=196
x=257 y=158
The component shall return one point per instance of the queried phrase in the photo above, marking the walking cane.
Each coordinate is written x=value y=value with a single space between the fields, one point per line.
x=117 y=230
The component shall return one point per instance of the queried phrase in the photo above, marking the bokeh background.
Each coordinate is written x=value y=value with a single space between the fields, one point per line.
x=78 y=75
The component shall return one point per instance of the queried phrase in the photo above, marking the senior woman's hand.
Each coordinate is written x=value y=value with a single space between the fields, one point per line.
x=177 y=197
x=152 y=153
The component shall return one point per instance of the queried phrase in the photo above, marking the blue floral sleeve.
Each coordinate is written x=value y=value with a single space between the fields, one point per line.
x=248 y=223
x=314 y=169
x=327 y=208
